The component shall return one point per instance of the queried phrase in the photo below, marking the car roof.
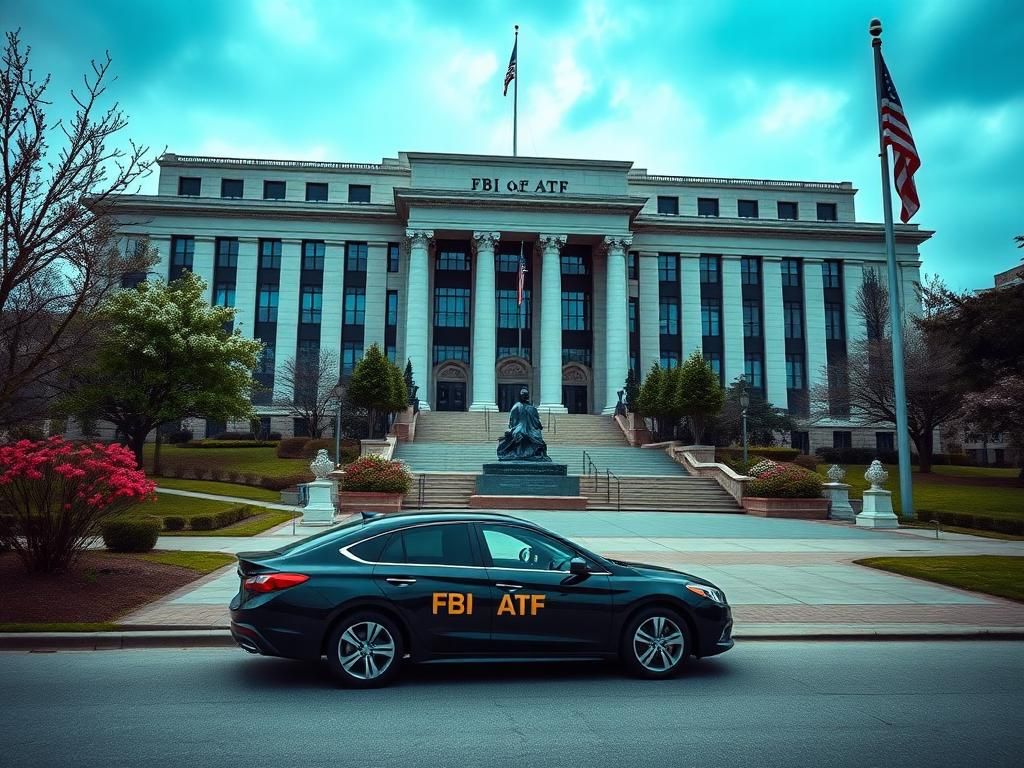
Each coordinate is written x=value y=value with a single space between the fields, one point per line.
x=388 y=522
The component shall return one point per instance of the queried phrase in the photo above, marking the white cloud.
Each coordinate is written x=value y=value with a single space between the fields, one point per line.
x=795 y=106
x=292 y=21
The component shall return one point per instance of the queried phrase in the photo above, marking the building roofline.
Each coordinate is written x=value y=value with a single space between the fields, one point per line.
x=818 y=230
x=559 y=162
x=388 y=166
x=641 y=176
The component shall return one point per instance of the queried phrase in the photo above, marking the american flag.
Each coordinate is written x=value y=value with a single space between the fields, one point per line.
x=522 y=279
x=510 y=74
x=896 y=134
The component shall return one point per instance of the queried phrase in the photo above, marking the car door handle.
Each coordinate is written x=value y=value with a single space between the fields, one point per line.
x=401 y=582
x=510 y=587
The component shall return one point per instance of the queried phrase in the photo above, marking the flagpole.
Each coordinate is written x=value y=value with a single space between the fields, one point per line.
x=895 y=313
x=515 y=103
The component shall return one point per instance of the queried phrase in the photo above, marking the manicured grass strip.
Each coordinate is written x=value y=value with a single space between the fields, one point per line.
x=952 y=471
x=248 y=527
x=959 y=529
x=203 y=562
x=219 y=489
x=1001 y=576
x=167 y=505
x=70 y=627
x=256 y=461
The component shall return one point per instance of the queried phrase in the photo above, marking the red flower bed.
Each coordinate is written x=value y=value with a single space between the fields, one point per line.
x=374 y=473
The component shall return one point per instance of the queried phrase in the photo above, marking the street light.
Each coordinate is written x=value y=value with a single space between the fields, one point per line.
x=337 y=393
x=744 y=404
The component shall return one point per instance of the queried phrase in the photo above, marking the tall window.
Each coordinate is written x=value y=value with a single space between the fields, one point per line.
x=224 y=294
x=393 y=256
x=709 y=269
x=750 y=273
x=513 y=352
x=351 y=352
x=359 y=193
x=267 y=311
x=510 y=314
x=189 y=185
x=668 y=267
x=451 y=307
x=508 y=262
x=833 y=321
x=751 y=319
x=265 y=365
x=392 y=314
x=710 y=317
x=669 y=205
x=444 y=352
x=227 y=251
x=790 y=273
x=753 y=369
x=747 y=209
x=707 y=206
x=631 y=265
x=312 y=303
x=793 y=319
x=842 y=439
x=827 y=212
x=316 y=192
x=231 y=187
x=668 y=317
x=307 y=352
x=669 y=359
x=794 y=370
x=714 y=361
x=576 y=355
x=573 y=264
x=632 y=315
x=355 y=257
x=830 y=274
x=355 y=306
x=270 y=254
x=453 y=261
x=182 y=251
x=313 y=254
x=273 y=190
x=575 y=314
x=788 y=210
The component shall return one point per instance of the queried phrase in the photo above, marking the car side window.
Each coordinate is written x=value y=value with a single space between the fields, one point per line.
x=514 y=547
x=447 y=544
x=372 y=550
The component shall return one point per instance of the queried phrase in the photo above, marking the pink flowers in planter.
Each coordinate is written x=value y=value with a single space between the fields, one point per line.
x=376 y=474
x=771 y=479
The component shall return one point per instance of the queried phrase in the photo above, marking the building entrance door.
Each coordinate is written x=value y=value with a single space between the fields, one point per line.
x=574 y=397
x=451 y=395
x=508 y=394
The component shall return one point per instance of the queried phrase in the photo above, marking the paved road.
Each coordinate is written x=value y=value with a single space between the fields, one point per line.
x=762 y=704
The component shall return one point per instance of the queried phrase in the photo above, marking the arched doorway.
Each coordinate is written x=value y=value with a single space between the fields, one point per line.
x=450 y=379
x=512 y=374
x=576 y=387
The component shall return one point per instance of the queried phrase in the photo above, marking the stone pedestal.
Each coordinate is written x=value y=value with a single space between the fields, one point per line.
x=319 y=510
x=839 y=496
x=877 y=512
x=526 y=478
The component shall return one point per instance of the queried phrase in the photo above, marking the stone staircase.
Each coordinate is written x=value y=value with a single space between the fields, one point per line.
x=476 y=427
x=440 y=490
x=468 y=458
x=656 y=494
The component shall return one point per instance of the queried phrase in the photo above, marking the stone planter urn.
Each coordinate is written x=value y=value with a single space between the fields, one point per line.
x=838 y=494
x=319 y=509
x=877 y=511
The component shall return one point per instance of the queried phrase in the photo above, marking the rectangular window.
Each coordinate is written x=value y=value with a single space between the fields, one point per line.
x=751 y=319
x=307 y=353
x=833 y=321
x=573 y=264
x=830 y=274
x=669 y=359
x=268 y=304
x=710 y=317
x=750 y=270
x=270 y=254
x=227 y=251
x=801 y=441
x=444 y=352
x=313 y=254
x=575 y=311
x=827 y=212
x=273 y=190
x=453 y=261
x=842 y=439
x=513 y=352
x=668 y=317
x=510 y=313
x=632 y=315
x=707 y=206
x=631 y=265
x=714 y=361
x=576 y=355
x=312 y=303
x=359 y=193
x=451 y=307
x=351 y=353
x=189 y=185
x=747 y=209
x=669 y=205
x=709 y=269
x=392 y=314
x=668 y=267
x=182 y=251
x=224 y=294
x=508 y=262
x=788 y=210
x=793 y=319
x=391 y=351
x=355 y=306
x=265 y=366
x=753 y=369
x=231 y=187
x=885 y=441
x=794 y=371
x=393 y=257
x=316 y=192
x=790 y=273
x=355 y=257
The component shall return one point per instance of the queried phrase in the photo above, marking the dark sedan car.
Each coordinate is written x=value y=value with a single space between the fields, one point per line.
x=427 y=587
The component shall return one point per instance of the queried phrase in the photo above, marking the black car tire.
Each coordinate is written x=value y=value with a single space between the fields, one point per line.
x=641 y=652
x=374 y=635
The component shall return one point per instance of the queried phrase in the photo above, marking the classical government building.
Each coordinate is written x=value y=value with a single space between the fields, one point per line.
x=420 y=254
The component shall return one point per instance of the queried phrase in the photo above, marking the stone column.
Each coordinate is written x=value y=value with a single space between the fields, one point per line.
x=774 y=332
x=853 y=279
x=550 y=357
x=287 y=313
x=689 y=277
x=202 y=262
x=616 y=335
x=648 y=319
x=910 y=279
x=376 y=294
x=484 y=349
x=333 y=311
x=417 y=311
x=732 y=319
x=814 y=324
x=245 y=286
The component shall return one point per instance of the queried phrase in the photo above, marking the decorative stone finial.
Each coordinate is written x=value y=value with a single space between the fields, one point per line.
x=876 y=475
x=836 y=474
x=322 y=465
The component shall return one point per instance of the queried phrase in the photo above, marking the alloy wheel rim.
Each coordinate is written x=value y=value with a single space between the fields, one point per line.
x=658 y=644
x=366 y=650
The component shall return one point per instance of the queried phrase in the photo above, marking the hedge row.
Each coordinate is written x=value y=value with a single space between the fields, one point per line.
x=867 y=455
x=130 y=534
x=219 y=443
x=980 y=522
x=732 y=453
x=217 y=520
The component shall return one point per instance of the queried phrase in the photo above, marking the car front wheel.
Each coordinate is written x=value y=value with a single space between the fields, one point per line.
x=656 y=644
x=365 y=651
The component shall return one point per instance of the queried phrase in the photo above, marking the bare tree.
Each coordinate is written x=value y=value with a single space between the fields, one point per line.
x=58 y=256
x=305 y=387
x=872 y=305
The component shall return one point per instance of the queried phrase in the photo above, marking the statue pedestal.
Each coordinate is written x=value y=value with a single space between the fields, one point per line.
x=526 y=478
x=877 y=512
x=320 y=508
x=839 y=495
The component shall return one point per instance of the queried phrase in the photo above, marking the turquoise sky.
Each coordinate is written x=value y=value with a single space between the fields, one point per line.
x=754 y=89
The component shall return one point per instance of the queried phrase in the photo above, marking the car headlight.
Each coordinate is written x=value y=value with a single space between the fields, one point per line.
x=715 y=595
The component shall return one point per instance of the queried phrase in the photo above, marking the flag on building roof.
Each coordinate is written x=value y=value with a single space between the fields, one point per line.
x=510 y=74
x=896 y=134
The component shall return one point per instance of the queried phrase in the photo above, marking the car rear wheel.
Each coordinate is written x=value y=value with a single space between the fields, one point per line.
x=656 y=644
x=365 y=650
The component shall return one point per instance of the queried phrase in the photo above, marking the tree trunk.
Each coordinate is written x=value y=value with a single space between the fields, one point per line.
x=156 y=453
x=924 y=451
x=136 y=440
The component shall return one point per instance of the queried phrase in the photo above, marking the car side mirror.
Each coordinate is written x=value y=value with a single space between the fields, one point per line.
x=578 y=566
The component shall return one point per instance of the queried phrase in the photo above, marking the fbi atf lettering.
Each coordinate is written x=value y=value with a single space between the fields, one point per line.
x=459 y=604
x=495 y=184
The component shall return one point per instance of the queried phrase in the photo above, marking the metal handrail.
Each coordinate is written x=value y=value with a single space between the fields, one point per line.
x=421 y=489
x=590 y=470
x=618 y=489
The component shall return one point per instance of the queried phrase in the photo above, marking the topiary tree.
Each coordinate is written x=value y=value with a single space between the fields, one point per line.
x=632 y=391
x=699 y=395
x=375 y=386
x=409 y=382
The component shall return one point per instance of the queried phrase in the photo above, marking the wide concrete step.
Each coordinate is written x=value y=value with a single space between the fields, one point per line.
x=477 y=427
x=469 y=458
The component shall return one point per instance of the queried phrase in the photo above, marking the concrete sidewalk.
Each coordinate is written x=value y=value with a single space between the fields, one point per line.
x=230 y=499
x=783 y=578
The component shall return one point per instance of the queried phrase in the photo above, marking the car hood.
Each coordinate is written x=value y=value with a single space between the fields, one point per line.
x=661 y=572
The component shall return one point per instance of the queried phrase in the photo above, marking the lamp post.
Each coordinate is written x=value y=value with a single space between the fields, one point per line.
x=337 y=393
x=744 y=404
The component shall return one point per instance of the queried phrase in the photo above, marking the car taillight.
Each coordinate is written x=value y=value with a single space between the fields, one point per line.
x=271 y=582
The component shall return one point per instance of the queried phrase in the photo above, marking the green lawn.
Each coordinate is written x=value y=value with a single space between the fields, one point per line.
x=251 y=526
x=256 y=461
x=167 y=505
x=993 y=575
x=203 y=562
x=950 y=471
x=220 y=489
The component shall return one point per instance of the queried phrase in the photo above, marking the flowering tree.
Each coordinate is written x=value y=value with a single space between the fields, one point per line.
x=57 y=494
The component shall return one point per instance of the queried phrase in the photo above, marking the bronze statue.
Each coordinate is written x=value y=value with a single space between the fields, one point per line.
x=523 y=441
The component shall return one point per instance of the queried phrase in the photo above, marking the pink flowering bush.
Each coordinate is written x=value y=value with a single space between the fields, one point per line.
x=375 y=473
x=55 y=496
x=783 y=481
